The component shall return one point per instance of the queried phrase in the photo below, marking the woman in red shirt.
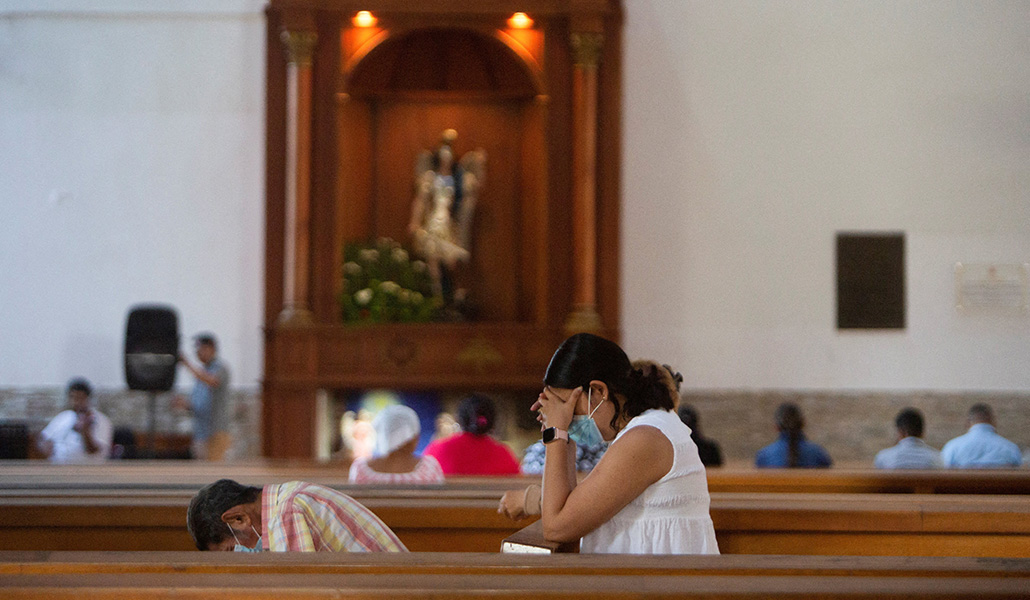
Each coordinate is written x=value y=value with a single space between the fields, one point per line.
x=474 y=451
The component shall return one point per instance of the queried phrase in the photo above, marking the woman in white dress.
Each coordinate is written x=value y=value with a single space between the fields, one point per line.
x=649 y=493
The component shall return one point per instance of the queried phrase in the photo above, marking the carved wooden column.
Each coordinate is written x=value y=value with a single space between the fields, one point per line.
x=586 y=48
x=300 y=46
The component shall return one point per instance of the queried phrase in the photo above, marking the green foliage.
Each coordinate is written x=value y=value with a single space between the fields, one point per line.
x=381 y=284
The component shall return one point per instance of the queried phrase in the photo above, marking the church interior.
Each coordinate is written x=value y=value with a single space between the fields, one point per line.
x=384 y=203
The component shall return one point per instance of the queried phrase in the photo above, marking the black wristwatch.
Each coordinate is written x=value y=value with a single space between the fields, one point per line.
x=553 y=433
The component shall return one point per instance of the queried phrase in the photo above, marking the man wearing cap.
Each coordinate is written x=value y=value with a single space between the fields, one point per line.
x=80 y=434
x=209 y=400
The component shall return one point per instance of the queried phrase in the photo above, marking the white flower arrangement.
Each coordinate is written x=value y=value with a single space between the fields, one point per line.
x=381 y=284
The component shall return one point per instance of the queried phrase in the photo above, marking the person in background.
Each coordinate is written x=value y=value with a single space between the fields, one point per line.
x=393 y=457
x=707 y=449
x=474 y=451
x=295 y=516
x=792 y=449
x=911 y=452
x=981 y=446
x=586 y=458
x=649 y=493
x=80 y=434
x=209 y=400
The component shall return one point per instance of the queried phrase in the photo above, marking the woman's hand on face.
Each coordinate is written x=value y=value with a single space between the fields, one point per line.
x=555 y=411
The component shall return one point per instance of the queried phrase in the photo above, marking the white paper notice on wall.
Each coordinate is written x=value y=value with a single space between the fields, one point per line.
x=992 y=288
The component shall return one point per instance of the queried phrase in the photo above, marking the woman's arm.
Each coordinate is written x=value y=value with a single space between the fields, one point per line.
x=641 y=457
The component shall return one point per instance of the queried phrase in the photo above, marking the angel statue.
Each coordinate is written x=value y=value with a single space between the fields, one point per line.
x=441 y=213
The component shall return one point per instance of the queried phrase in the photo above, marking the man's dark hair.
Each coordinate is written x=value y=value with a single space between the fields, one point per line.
x=688 y=414
x=204 y=515
x=207 y=339
x=80 y=385
x=910 y=422
x=981 y=413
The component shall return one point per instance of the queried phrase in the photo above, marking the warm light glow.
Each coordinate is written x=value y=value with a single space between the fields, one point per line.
x=520 y=20
x=364 y=18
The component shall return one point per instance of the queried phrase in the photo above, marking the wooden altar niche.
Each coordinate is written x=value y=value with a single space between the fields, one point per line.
x=348 y=108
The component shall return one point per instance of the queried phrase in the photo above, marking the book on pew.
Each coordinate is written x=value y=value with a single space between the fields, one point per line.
x=530 y=540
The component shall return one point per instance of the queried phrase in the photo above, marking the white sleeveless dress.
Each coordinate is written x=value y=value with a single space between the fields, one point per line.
x=671 y=516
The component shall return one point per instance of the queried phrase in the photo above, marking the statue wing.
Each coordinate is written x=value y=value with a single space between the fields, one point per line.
x=473 y=165
x=423 y=163
x=474 y=162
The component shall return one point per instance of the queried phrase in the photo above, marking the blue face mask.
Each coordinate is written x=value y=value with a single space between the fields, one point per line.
x=583 y=430
x=240 y=547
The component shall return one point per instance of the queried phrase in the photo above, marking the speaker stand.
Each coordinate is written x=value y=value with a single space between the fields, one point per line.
x=152 y=417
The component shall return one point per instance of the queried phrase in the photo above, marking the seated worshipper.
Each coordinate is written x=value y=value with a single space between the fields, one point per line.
x=518 y=504
x=707 y=449
x=586 y=458
x=981 y=446
x=295 y=516
x=649 y=492
x=911 y=452
x=473 y=451
x=393 y=455
x=80 y=434
x=792 y=449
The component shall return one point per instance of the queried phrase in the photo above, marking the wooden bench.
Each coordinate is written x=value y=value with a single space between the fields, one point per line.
x=466 y=520
x=871 y=481
x=449 y=575
x=193 y=475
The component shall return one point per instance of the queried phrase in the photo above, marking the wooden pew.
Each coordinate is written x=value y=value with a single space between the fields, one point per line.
x=466 y=520
x=871 y=481
x=192 y=475
x=449 y=575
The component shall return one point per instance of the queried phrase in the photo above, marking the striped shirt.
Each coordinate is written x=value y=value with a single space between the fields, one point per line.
x=300 y=516
x=426 y=472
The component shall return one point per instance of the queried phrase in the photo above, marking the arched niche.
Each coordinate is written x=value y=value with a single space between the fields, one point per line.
x=398 y=91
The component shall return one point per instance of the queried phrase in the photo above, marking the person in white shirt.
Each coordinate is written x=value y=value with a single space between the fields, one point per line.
x=911 y=452
x=79 y=434
x=649 y=492
x=981 y=446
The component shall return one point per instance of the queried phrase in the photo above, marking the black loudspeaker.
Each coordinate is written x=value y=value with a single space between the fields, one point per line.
x=151 y=348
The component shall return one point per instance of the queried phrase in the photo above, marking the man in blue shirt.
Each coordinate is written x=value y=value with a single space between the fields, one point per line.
x=209 y=400
x=911 y=452
x=981 y=446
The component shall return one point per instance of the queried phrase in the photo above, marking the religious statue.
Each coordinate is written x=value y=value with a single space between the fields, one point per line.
x=441 y=212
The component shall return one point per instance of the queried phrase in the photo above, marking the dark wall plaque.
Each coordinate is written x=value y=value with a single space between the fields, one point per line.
x=870 y=280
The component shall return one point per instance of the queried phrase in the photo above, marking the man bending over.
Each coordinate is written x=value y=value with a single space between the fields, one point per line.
x=294 y=516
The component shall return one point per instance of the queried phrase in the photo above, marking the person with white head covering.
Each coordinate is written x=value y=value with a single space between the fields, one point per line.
x=393 y=458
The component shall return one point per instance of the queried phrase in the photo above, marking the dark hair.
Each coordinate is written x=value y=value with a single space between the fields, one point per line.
x=477 y=414
x=789 y=421
x=80 y=384
x=585 y=357
x=206 y=338
x=204 y=515
x=688 y=415
x=981 y=413
x=910 y=422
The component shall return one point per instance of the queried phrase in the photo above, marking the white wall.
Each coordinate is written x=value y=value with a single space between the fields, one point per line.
x=131 y=170
x=754 y=131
